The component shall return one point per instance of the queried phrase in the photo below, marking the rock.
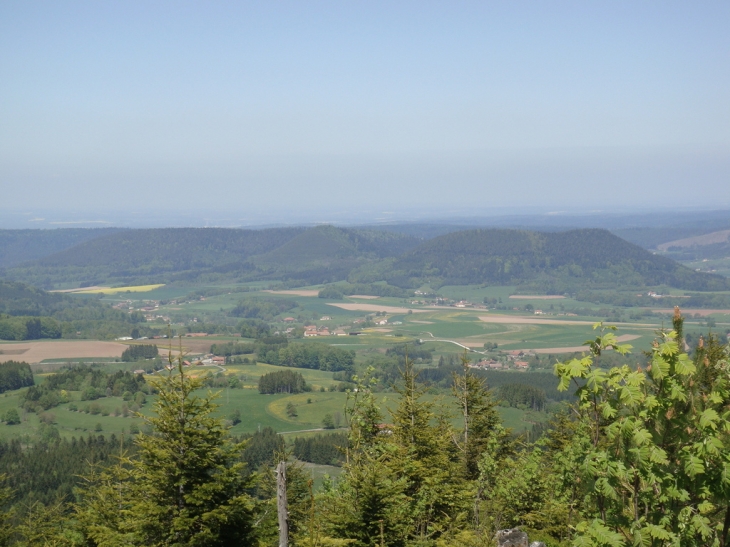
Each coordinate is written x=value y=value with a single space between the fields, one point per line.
x=511 y=538
x=537 y=544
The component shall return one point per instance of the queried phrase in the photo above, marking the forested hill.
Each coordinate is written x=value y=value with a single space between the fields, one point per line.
x=587 y=256
x=544 y=261
x=145 y=254
x=18 y=246
x=22 y=299
x=326 y=253
x=172 y=249
x=317 y=254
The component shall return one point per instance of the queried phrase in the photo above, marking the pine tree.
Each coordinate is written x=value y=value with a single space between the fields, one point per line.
x=368 y=505
x=427 y=460
x=186 y=485
x=480 y=418
x=105 y=500
x=6 y=516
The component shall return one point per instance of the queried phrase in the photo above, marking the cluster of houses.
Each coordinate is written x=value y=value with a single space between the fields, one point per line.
x=313 y=330
x=515 y=358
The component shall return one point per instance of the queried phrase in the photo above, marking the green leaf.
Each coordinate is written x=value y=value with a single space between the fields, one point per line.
x=693 y=466
x=685 y=366
x=630 y=395
x=659 y=367
x=709 y=418
x=641 y=437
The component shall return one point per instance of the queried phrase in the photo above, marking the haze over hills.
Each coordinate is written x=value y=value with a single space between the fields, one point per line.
x=549 y=261
x=18 y=246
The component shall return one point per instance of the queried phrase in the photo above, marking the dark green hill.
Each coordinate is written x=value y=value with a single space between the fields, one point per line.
x=171 y=249
x=141 y=255
x=557 y=259
x=544 y=261
x=18 y=246
x=326 y=254
x=22 y=299
x=313 y=255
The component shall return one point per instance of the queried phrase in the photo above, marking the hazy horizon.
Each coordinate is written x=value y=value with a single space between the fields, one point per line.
x=324 y=111
x=537 y=217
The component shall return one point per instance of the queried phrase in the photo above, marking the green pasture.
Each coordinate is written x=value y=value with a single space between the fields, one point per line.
x=465 y=326
x=476 y=293
x=521 y=420
x=250 y=374
x=256 y=410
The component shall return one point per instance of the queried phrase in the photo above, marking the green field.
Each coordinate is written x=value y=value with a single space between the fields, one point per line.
x=439 y=328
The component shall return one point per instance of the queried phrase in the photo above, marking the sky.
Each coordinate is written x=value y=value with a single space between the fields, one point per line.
x=336 y=109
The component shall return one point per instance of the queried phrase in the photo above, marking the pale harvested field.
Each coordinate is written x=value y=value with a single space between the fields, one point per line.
x=35 y=352
x=536 y=297
x=364 y=296
x=115 y=290
x=374 y=308
x=522 y=320
x=302 y=292
x=422 y=322
x=694 y=311
x=378 y=329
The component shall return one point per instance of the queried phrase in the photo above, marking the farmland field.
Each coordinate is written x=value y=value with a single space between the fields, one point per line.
x=115 y=290
x=37 y=351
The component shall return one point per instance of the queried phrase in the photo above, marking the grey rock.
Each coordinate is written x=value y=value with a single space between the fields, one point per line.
x=512 y=538
x=537 y=544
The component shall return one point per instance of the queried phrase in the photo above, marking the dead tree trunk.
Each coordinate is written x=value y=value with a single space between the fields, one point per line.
x=281 y=505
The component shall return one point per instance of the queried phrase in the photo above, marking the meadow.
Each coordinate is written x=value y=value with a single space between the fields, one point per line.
x=441 y=328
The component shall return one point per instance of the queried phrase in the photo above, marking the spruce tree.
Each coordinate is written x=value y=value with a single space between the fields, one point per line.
x=481 y=422
x=190 y=488
x=369 y=504
x=426 y=458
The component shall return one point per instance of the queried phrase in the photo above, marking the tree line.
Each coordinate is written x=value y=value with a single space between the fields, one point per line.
x=328 y=449
x=14 y=375
x=521 y=396
x=283 y=381
x=137 y=352
x=90 y=382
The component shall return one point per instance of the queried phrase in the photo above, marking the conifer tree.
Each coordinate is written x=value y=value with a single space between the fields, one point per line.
x=480 y=418
x=368 y=506
x=185 y=486
x=427 y=460
x=189 y=487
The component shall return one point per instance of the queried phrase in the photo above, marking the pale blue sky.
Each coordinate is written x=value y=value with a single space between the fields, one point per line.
x=332 y=106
